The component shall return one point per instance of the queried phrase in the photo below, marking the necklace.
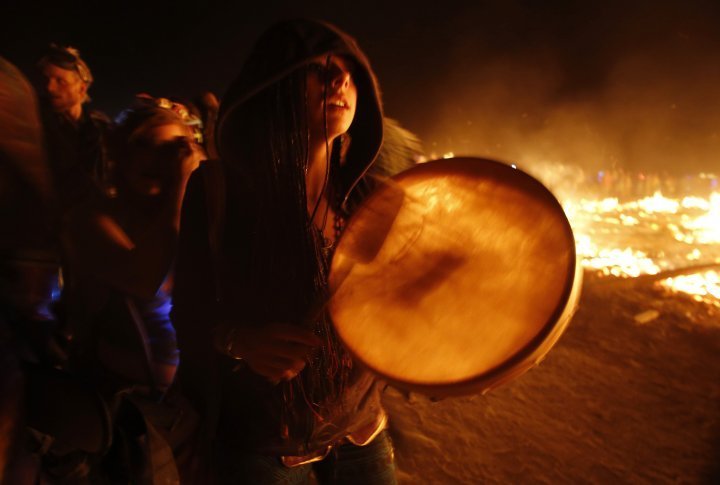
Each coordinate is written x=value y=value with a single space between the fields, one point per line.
x=339 y=222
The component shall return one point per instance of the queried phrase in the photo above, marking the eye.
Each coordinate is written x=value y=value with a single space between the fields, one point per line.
x=318 y=69
x=144 y=143
x=328 y=73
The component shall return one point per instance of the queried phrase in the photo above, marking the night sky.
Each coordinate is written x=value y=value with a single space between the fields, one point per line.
x=593 y=84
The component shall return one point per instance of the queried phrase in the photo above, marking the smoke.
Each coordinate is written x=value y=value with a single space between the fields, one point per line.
x=599 y=86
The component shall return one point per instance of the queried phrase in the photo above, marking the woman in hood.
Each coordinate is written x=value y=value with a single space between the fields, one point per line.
x=296 y=133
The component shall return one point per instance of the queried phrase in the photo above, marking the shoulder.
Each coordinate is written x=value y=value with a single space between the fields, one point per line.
x=99 y=119
x=204 y=195
x=98 y=116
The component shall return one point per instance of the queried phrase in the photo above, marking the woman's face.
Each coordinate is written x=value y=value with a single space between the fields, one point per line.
x=334 y=73
x=155 y=154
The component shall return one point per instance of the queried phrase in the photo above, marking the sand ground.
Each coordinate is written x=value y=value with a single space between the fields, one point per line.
x=615 y=401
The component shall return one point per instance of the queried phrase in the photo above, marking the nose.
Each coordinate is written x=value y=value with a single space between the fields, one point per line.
x=341 y=80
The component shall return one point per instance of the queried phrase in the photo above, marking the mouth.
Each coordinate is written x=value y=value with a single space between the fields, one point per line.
x=338 y=104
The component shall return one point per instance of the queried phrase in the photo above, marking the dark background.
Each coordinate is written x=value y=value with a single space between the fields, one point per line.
x=596 y=84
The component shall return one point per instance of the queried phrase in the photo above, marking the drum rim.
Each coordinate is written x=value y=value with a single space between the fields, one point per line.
x=525 y=357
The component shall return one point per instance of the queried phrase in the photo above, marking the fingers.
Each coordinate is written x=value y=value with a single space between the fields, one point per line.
x=278 y=363
x=276 y=351
x=279 y=360
x=184 y=155
x=275 y=372
x=290 y=349
x=293 y=333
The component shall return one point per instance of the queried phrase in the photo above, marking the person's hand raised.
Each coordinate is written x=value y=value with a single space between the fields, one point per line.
x=184 y=156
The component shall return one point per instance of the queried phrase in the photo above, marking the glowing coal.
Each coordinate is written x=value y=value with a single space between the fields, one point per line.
x=647 y=234
x=703 y=287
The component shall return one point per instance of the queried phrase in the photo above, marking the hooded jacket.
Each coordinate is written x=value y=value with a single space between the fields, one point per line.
x=235 y=403
x=289 y=46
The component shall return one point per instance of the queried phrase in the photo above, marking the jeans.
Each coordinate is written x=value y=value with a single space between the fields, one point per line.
x=346 y=464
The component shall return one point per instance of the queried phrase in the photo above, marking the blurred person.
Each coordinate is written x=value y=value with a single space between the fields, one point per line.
x=76 y=144
x=121 y=251
x=280 y=397
x=75 y=134
x=28 y=263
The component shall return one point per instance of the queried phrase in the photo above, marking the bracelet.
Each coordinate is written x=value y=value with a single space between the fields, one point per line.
x=230 y=339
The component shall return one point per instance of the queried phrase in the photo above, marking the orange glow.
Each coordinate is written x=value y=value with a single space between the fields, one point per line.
x=645 y=236
x=703 y=287
x=651 y=235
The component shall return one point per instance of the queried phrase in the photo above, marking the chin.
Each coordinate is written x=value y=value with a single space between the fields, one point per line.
x=337 y=129
x=59 y=107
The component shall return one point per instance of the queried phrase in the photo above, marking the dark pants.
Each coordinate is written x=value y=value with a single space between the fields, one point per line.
x=347 y=464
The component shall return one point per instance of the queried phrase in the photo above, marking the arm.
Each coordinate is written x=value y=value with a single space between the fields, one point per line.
x=137 y=264
x=276 y=351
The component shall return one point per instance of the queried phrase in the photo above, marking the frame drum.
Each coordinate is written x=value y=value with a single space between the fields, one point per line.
x=454 y=277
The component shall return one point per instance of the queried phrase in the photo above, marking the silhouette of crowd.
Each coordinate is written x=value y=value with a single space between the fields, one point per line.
x=153 y=336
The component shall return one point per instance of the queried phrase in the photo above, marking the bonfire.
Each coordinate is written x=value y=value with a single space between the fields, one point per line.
x=677 y=239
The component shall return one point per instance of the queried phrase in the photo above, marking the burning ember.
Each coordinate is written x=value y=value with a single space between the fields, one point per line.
x=703 y=287
x=647 y=235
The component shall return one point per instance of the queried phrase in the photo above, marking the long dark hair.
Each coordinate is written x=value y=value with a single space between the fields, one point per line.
x=286 y=259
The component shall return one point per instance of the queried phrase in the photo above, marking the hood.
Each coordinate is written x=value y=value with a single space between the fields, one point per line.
x=290 y=45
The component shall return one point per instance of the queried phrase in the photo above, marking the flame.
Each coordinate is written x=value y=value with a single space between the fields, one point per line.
x=656 y=203
x=647 y=235
x=705 y=229
x=659 y=233
x=703 y=287
x=651 y=235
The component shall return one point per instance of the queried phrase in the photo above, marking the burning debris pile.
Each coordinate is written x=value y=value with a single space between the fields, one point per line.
x=625 y=236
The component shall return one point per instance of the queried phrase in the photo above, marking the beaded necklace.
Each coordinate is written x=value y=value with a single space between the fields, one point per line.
x=339 y=222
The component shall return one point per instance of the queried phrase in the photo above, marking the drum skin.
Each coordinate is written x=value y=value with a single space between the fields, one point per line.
x=454 y=277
